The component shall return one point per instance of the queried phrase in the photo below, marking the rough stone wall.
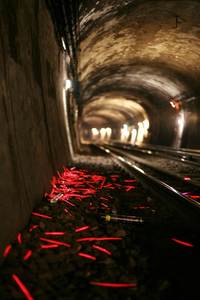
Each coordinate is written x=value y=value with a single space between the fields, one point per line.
x=33 y=139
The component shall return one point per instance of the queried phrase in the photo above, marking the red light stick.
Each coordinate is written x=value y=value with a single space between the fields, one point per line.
x=82 y=228
x=87 y=256
x=55 y=233
x=49 y=246
x=28 y=254
x=19 y=238
x=55 y=242
x=113 y=285
x=23 y=288
x=41 y=215
x=90 y=239
x=102 y=249
x=7 y=250
x=182 y=242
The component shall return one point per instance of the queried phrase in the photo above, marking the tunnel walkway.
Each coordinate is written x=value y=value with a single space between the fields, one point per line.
x=88 y=239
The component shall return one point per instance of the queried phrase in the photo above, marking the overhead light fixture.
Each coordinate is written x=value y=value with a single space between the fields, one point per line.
x=68 y=84
x=63 y=43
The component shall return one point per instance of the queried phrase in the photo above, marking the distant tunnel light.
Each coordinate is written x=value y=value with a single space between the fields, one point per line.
x=68 y=84
x=140 y=133
x=95 y=131
x=105 y=133
x=125 y=133
x=172 y=104
x=108 y=132
x=102 y=133
x=180 y=128
x=63 y=43
x=146 y=124
x=181 y=120
x=133 y=136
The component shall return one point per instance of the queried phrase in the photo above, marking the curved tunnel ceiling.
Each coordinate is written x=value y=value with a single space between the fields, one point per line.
x=138 y=50
x=110 y=111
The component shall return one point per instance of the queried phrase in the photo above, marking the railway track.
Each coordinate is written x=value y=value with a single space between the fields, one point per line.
x=175 y=189
x=99 y=234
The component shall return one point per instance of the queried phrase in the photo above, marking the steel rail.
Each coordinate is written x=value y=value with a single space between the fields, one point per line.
x=184 y=157
x=144 y=162
x=188 y=208
x=162 y=154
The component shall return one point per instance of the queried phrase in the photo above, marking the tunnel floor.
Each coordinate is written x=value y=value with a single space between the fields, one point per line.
x=98 y=234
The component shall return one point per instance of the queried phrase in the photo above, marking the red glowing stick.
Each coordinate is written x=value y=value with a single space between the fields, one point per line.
x=103 y=204
x=22 y=287
x=28 y=254
x=7 y=250
x=55 y=242
x=90 y=239
x=33 y=227
x=103 y=198
x=49 y=246
x=19 y=238
x=102 y=183
x=141 y=207
x=82 y=228
x=55 y=233
x=109 y=186
x=87 y=256
x=67 y=212
x=182 y=242
x=129 y=180
x=113 y=285
x=101 y=249
x=68 y=202
x=129 y=188
x=41 y=215
x=195 y=196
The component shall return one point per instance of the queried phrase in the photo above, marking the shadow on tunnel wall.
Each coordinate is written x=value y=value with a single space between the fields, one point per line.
x=33 y=138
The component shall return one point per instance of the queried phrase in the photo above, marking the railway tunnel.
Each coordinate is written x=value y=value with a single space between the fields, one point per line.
x=76 y=73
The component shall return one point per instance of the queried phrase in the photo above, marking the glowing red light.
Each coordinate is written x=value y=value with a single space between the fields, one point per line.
x=109 y=186
x=19 y=238
x=55 y=242
x=68 y=202
x=49 y=246
x=87 y=256
x=33 y=227
x=55 y=233
x=141 y=207
x=7 y=250
x=102 y=249
x=23 y=288
x=103 y=198
x=187 y=178
x=82 y=228
x=129 y=188
x=104 y=205
x=195 y=196
x=114 y=285
x=67 y=212
x=28 y=254
x=90 y=239
x=129 y=180
x=182 y=242
x=41 y=215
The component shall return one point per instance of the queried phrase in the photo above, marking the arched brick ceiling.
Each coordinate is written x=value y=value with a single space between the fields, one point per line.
x=144 y=50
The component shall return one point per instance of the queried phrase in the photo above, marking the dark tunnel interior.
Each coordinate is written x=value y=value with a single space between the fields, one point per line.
x=80 y=72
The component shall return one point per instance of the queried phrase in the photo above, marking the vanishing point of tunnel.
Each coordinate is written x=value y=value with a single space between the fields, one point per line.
x=77 y=73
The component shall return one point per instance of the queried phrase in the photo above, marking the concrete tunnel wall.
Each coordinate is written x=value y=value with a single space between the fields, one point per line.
x=33 y=142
